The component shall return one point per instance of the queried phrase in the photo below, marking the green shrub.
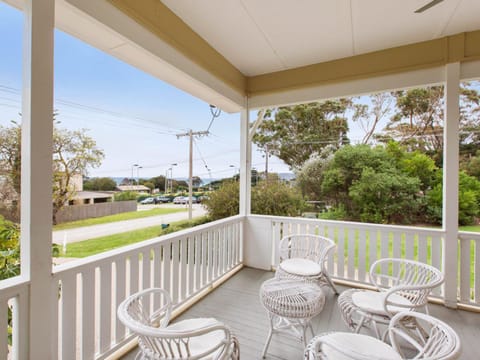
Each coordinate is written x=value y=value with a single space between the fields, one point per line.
x=9 y=249
x=468 y=200
x=125 y=196
x=223 y=202
x=276 y=198
x=337 y=213
x=268 y=198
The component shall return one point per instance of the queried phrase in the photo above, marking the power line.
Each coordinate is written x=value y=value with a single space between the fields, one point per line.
x=97 y=110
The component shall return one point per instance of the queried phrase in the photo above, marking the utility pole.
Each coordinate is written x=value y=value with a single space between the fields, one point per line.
x=191 y=134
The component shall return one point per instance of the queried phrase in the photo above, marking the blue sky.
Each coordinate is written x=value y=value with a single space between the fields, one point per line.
x=132 y=116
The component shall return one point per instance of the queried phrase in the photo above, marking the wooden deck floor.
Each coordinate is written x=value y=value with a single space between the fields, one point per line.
x=237 y=304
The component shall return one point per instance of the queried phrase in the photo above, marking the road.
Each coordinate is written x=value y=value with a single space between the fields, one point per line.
x=94 y=231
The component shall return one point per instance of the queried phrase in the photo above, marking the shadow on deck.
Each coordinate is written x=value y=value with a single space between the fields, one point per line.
x=237 y=304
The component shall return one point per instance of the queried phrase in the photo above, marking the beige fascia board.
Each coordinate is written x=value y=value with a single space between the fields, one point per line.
x=161 y=21
x=347 y=88
x=461 y=47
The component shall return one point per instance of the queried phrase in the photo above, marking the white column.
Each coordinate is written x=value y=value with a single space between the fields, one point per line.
x=245 y=162
x=450 y=182
x=36 y=197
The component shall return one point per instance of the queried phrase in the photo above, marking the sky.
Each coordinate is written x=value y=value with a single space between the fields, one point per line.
x=131 y=115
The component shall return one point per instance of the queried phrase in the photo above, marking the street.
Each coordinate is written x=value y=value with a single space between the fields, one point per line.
x=94 y=231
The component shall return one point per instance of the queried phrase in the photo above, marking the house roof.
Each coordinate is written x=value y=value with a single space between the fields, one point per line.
x=132 y=188
x=91 y=195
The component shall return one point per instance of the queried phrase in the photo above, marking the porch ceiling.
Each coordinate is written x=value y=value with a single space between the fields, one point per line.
x=260 y=37
x=280 y=51
x=268 y=47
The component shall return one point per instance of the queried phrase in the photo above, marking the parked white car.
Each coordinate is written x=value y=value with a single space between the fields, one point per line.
x=184 y=200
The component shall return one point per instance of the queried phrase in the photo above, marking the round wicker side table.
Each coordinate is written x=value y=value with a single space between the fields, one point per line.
x=291 y=304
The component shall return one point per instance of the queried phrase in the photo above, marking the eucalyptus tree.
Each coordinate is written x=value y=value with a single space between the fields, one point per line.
x=294 y=133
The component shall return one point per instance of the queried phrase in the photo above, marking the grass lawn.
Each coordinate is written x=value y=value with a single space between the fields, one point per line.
x=473 y=228
x=98 y=245
x=117 y=217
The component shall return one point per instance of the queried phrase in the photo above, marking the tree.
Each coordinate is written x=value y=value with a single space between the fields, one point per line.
x=309 y=177
x=196 y=181
x=100 y=184
x=159 y=182
x=346 y=167
x=373 y=184
x=293 y=133
x=10 y=163
x=73 y=153
x=414 y=164
x=370 y=117
x=418 y=121
x=468 y=200
x=388 y=196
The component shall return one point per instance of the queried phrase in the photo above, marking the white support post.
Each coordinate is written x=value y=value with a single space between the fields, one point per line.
x=245 y=162
x=36 y=183
x=450 y=182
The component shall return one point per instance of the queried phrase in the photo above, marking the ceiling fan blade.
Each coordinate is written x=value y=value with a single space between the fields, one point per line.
x=428 y=6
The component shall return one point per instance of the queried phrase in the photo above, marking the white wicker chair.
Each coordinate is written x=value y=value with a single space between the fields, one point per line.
x=431 y=339
x=304 y=256
x=402 y=285
x=203 y=338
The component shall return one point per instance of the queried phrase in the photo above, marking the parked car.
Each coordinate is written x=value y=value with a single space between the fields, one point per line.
x=148 y=200
x=162 y=199
x=202 y=198
x=184 y=200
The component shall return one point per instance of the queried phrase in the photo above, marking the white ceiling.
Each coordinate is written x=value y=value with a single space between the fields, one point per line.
x=262 y=36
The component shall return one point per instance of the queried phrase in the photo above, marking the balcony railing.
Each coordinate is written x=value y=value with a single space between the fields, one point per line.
x=188 y=262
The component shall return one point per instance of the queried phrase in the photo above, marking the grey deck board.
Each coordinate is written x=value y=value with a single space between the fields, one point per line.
x=237 y=304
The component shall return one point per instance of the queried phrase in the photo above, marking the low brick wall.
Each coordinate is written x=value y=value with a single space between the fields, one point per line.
x=80 y=212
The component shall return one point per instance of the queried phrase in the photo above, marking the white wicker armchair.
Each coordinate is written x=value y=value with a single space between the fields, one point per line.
x=402 y=285
x=304 y=256
x=430 y=339
x=147 y=314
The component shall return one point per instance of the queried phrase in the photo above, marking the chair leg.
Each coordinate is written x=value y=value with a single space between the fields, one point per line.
x=311 y=328
x=331 y=284
x=269 y=338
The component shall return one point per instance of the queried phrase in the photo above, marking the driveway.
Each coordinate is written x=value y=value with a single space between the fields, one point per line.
x=94 y=231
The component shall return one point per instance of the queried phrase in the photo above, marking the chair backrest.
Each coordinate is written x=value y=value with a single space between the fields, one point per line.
x=411 y=279
x=306 y=246
x=428 y=338
x=147 y=314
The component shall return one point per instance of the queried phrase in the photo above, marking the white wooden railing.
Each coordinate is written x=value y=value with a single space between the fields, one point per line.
x=188 y=262
x=469 y=263
x=359 y=244
x=89 y=291
x=13 y=318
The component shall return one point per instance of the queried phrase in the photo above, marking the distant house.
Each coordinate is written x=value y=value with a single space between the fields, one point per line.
x=90 y=197
x=136 y=188
x=81 y=197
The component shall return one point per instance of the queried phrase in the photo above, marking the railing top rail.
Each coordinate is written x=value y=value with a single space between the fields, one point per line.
x=13 y=286
x=112 y=255
x=468 y=235
x=357 y=225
